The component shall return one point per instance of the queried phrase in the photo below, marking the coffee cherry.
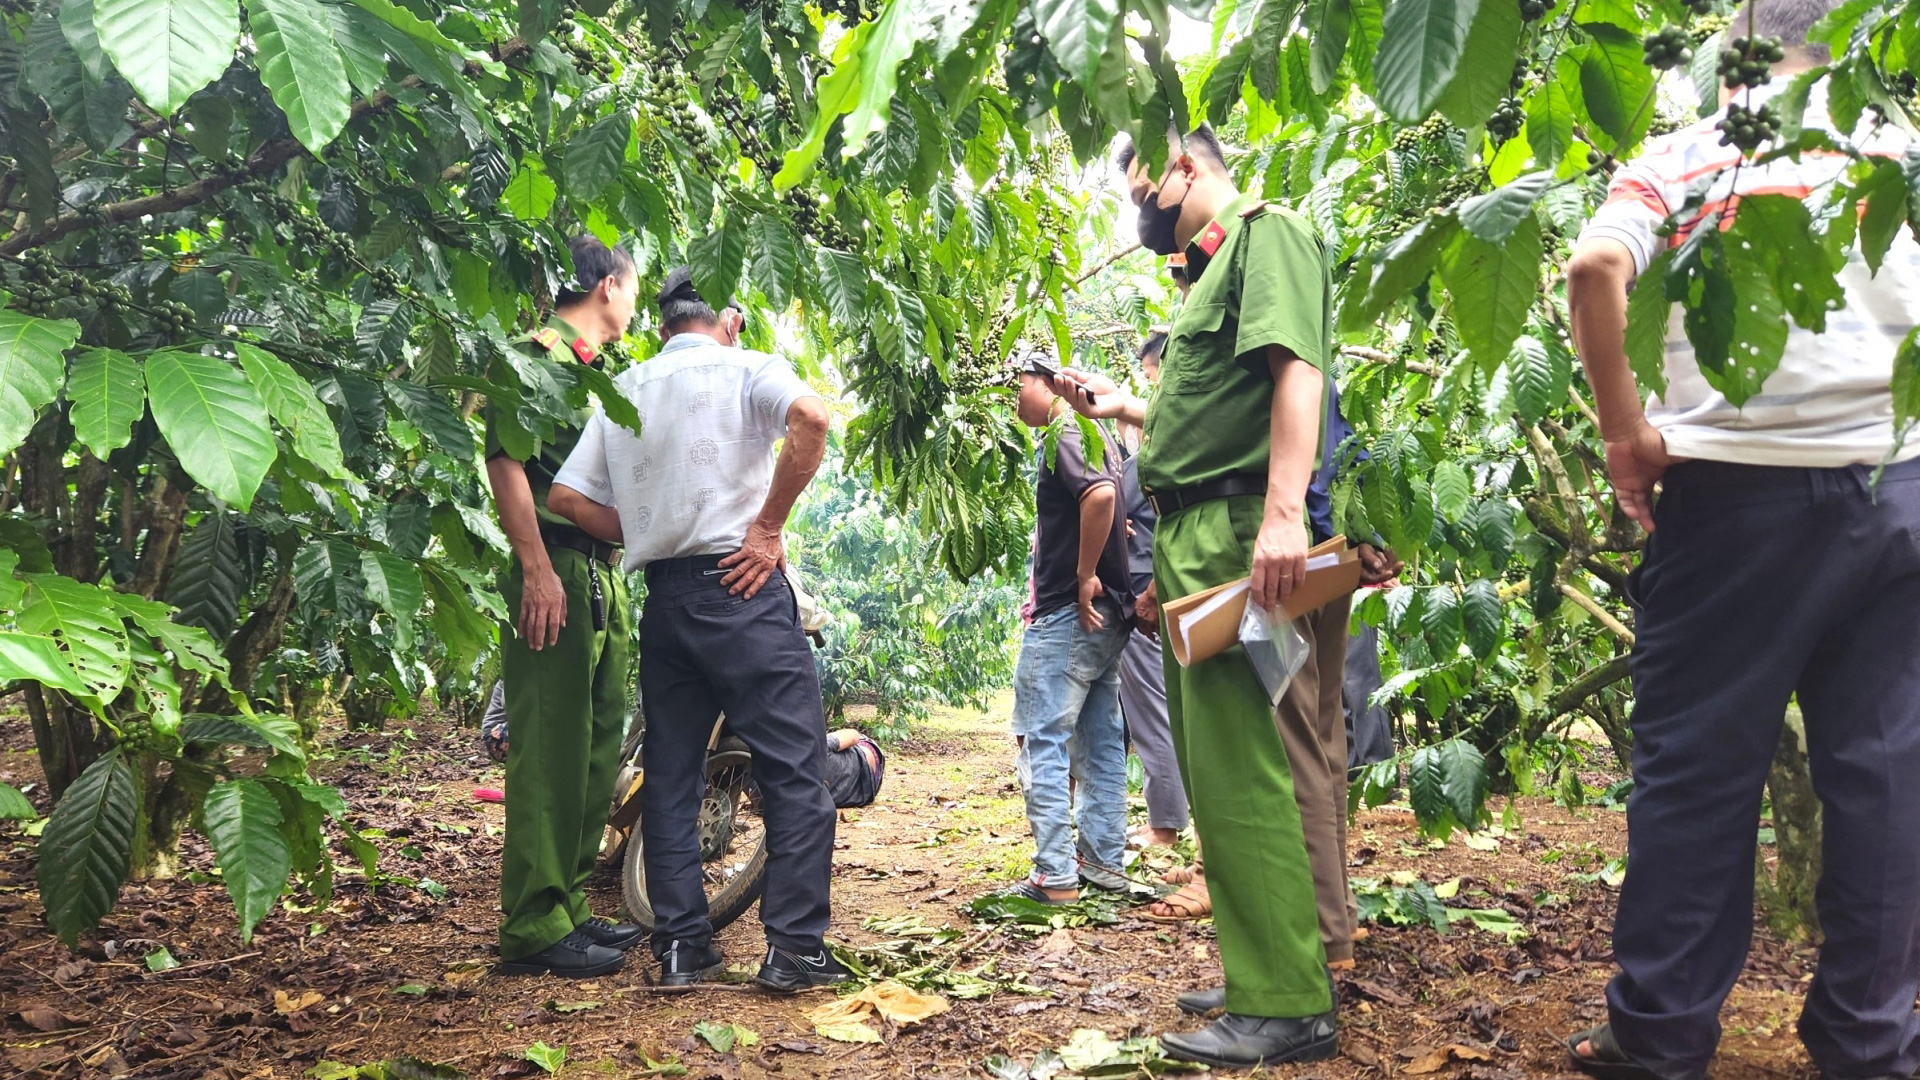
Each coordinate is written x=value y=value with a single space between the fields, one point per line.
x=1668 y=47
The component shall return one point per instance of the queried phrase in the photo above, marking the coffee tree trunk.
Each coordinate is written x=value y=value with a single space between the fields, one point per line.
x=1786 y=890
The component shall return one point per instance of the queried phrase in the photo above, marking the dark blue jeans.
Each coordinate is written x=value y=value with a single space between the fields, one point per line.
x=703 y=652
x=1759 y=584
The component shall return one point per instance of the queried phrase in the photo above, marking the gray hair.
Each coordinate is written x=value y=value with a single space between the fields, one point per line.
x=1788 y=20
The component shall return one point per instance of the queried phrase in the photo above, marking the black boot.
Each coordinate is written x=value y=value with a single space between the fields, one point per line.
x=787 y=972
x=575 y=956
x=1202 y=1002
x=683 y=963
x=1213 y=999
x=610 y=934
x=1242 y=1042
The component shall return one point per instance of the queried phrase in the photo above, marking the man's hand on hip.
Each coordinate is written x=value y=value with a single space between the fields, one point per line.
x=543 y=607
x=1090 y=591
x=759 y=556
x=1279 y=559
x=1636 y=461
x=1146 y=612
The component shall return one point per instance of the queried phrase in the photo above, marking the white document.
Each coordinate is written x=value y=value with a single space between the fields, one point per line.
x=1233 y=593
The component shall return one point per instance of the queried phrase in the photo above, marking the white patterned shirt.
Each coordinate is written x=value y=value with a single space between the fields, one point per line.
x=697 y=475
x=1829 y=403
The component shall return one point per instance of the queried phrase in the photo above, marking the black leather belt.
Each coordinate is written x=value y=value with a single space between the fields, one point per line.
x=576 y=540
x=1166 y=502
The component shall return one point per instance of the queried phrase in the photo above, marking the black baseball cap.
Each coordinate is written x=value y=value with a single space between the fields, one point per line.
x=1036 y=361
x=679 y=287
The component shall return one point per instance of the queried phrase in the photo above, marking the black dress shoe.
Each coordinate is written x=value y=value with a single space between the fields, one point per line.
x=1202 y=1002
x=575 y=956
x=1243 y=1042
x=686 y=964
x=787 y=972
x=610 y=934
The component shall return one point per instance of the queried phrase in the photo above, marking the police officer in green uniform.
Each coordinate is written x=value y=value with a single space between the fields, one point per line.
x=1232 y=437
x=565 y=661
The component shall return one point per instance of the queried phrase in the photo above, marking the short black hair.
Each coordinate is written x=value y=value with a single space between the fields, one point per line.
x=1200 y=140
x=593 y=262
x=680 y=303
x=1153 y=347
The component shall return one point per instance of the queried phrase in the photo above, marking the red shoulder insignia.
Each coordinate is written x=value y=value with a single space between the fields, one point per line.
x=583 y=350
x=546 y=337
x=1254 y=209
x=1210 y=238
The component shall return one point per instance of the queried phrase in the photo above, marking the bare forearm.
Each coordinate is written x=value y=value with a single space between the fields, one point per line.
x=600 y=521
x=513 y=499
x=799 y=460
x=1598 y=278
x=1096 y=524
x=1295 y=434
x=1133 y=410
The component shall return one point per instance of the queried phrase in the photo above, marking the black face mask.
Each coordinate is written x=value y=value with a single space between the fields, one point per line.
x=1157 y=223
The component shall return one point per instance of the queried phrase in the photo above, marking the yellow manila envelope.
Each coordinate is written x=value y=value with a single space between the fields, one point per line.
x=1207 y=623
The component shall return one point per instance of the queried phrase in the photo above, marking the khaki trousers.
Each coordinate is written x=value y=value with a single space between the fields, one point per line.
x=1314 y=731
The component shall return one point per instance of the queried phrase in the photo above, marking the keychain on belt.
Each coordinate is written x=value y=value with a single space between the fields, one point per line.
x=593 y=592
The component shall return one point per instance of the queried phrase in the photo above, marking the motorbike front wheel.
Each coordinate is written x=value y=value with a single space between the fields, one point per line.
x=733 y=843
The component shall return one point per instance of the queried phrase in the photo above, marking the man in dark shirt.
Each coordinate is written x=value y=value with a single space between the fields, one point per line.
x=1143 y=680
x=1066 y=712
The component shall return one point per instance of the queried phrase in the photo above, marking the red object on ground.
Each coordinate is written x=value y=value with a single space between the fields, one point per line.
x=487 y=794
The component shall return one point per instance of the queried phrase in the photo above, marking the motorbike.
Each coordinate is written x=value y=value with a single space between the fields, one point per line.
x=732 y=829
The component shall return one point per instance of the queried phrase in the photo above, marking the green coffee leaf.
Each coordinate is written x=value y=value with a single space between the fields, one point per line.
x=1497 y=283
x=167 y=49
x=30 y=370
x=108 y=393
x=242 y=819
x=214 y=421
x=302 y=67
x=1421 y=45
x=84 y=852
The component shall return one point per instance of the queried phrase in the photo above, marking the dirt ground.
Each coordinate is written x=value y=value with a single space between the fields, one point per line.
x=398 y=971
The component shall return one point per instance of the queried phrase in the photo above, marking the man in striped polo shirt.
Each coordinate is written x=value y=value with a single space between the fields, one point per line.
x=1772 y=568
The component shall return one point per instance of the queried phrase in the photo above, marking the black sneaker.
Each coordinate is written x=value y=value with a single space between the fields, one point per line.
x=786 y=972
x=610 y=934
x=575 y=956
x=686 y=964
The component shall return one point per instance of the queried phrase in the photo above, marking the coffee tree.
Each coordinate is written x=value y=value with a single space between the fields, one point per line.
x=262 y=261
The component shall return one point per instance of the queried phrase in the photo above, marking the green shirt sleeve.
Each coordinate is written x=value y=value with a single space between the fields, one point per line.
x=1283 y=292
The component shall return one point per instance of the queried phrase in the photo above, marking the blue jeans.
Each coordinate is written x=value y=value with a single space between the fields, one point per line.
x=1066 y=714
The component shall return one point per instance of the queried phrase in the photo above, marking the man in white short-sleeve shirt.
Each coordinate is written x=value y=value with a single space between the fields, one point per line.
x=1773 y=568
x=699 y=501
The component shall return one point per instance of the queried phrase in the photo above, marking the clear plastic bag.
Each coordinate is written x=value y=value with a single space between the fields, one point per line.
x=1275 y=647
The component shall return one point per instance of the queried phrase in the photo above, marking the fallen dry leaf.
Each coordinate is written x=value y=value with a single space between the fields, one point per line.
x=847 y=1031
x=43 y=1018
x=844 y=1019
x=287 y=1004
x=466 y=973
x=1435 y=1060
x=1381 y=994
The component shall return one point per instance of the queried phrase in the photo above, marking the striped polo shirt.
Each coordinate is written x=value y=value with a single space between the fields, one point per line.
x=1829 y=402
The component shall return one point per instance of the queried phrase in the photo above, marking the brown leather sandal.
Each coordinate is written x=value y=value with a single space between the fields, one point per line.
x=1191 y=901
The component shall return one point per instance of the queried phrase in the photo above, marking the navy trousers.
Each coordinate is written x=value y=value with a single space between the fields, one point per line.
x=1758 y=584
x=703 y=652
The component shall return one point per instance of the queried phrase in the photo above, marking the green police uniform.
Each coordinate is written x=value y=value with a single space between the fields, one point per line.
x=566 y=705
x=1259 y=279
